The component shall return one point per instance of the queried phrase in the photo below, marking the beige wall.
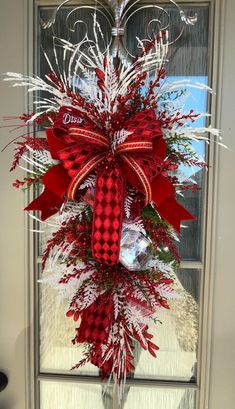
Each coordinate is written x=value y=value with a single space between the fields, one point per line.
x=12 y=277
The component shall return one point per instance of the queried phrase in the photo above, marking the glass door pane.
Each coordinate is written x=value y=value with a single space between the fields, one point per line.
x=61 y=395
x=178 y=334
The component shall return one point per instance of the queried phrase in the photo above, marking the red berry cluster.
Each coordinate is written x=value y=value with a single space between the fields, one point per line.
x=73 y=232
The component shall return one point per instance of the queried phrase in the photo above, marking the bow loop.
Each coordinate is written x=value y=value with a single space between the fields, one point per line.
x=144 y=126
x=80 y=135
x=82 y=173
x=82 y=149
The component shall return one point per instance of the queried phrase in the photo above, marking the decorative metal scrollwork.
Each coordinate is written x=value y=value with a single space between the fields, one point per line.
x=119 y=16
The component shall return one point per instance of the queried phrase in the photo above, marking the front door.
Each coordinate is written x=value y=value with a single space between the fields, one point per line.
x=35 y=352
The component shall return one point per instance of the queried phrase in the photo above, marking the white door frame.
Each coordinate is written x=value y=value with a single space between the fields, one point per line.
x=16 y=316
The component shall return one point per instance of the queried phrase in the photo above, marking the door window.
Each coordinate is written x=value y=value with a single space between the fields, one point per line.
x=171 y=380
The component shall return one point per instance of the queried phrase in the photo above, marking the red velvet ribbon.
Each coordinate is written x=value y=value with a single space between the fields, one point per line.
x=81 y=150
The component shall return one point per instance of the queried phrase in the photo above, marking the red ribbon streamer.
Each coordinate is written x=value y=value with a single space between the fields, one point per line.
x=107 y=214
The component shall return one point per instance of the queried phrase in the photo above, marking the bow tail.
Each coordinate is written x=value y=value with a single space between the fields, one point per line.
x=174 y=213
x=56 y=182
x=47 y=203
x=84 y=171
x=138 y=177
x=163 y=193
x=108 y=214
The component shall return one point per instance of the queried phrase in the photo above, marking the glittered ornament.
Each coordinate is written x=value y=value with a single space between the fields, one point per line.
x=136 y=250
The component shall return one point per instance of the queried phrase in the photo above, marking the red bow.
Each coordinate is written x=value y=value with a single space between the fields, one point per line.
x=138 y=161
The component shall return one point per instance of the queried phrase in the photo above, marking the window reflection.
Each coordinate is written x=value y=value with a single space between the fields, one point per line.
x=72 y=395
x=177 y=336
